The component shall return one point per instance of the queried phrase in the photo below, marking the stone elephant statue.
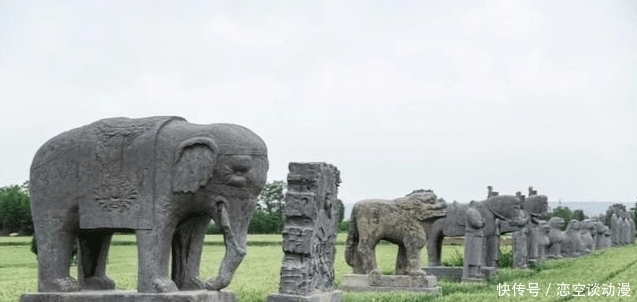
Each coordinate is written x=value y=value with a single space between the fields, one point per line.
x=506 y=208
x=402 y=221
x=163 y=178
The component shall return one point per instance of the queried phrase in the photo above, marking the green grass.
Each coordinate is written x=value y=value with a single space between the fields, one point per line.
x=258 y=275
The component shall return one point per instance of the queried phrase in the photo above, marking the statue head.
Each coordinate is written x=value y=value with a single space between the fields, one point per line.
x=556 y=222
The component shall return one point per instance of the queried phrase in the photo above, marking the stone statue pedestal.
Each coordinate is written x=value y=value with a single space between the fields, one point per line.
x=387 y=283
x=332 y=296
x=455 y=273
x=131 y=296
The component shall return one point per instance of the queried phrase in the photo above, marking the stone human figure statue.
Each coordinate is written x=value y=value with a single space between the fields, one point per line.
x=491 y=193
x=474 y=239
x=588 y=242
x=627 y=231
x=493 y=247
x=631 y=223
x=607 y=238
x=520 y=244
x=615 y=228
x=544 y=240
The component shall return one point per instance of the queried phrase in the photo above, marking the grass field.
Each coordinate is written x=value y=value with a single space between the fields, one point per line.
x=258 y=275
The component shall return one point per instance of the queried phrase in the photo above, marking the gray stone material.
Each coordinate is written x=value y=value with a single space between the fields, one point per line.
x=572 y=244
x=131 y=296
x=332 y=296
x=455 y=273
x=556 y=237
x=615 y=228
x=387 y=283
x=404 y=221
x=520 y=244
x=543 y=241
x=631 y=224
x=163 y=178
x=309 y=234
x=474 y=242
x=506 y=208
x=586 y=234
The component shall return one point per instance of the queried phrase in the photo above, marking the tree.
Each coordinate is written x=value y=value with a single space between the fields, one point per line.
x=579 y=215
x=268 y=216
x=15 y=209
x=562 y=212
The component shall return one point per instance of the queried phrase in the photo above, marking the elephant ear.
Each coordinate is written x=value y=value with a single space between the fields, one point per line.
x=194 y=164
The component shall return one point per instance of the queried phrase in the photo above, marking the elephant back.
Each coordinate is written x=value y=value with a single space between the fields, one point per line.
x=455 y=220
x=118 y=174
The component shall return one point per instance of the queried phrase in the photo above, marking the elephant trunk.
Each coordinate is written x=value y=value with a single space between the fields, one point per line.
x=236 y=243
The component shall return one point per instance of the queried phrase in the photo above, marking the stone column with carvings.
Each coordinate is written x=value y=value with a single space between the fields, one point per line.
x=309 y=234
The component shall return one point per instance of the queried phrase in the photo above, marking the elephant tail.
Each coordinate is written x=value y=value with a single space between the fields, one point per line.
x=351 y=244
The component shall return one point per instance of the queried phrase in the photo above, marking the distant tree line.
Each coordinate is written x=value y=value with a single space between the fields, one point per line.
x=578 y=214
x=15 y=210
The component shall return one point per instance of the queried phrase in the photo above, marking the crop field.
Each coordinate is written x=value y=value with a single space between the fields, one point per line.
x=600 y=273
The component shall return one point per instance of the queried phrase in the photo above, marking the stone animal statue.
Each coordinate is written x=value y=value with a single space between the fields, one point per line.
x=572 y=244
x=586 y=234
x=163 y=178
x=504 y=207
x=534 y=206
x=556 y=237
x=544 y=240
x=403 y=221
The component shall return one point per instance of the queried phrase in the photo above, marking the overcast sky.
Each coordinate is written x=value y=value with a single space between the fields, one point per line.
x=399 y=95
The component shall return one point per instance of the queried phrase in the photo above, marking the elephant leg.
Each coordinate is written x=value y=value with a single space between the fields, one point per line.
x=434 y=242
x=153 y=249
x=92 y=255
x=56 y=235
x=367 y=252
x=401 y=260
x=187 y=246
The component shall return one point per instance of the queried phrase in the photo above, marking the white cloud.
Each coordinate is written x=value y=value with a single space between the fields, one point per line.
x=273 y=32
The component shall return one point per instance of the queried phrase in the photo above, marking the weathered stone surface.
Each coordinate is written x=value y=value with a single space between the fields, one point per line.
x=556 y=237
x=455 y=273
x=162 y=177
x=309 y=234
x=506 y=208
x=586 y=234
x=572 y=244
x=544 y=240
x=615 y=228
x=387 y=283
x=474 y=243
x=131 y=296
x=404 y=221
x=332 y=296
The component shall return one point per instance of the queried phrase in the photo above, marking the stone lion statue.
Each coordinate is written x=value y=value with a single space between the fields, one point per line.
x=556 y=237
x=572 y=243
x=403 y=221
